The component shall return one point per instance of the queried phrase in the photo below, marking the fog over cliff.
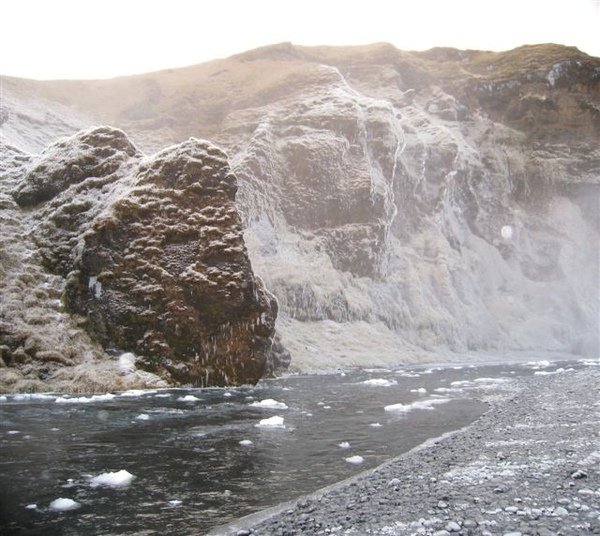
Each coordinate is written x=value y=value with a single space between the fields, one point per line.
x=400 y=206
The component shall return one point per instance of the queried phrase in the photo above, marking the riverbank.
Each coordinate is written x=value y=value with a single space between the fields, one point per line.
x=530 y=465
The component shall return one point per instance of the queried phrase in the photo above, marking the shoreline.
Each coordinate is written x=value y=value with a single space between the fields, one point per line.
x=528 y=465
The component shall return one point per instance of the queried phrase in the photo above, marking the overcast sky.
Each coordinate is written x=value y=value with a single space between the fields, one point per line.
x=104 y=38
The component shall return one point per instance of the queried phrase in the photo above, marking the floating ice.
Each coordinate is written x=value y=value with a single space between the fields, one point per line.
x=188 y=398
x=552 y=372
x=344 y=445
x=355 y=460
x=3 y=398
x=63 y=505
x=138 y=392
x=162 y=395
x=448 y=390
x=419 y=404
x=85 y=399
x=142 y=417
x=227 y=394
x=376 y=425
x=246 y=443
x=272 y=422
x=118 y=479
x=33 y=396
x=538 y=364
x=269 y=403
x=420 y=390
x=13 y=432
x=175 y=502
x=32 y=506
x=380 y=382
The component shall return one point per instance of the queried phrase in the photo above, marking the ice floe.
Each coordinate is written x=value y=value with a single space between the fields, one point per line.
x=85 y=399
x=175 y=502
x=344 y=445
x=418 y=405
x=31 y=506
x=375 y=425
x=420 y=390
x=269 y=403
x=246 y=443
x=355 y=460
x=63 y=505
x=117 y=479
x=33 y=396
x=142 y=417
x=271 y=422
x=188 y=398
x=380 y=382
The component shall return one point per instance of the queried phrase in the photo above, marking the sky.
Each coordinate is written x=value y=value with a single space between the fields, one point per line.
x=50 y=39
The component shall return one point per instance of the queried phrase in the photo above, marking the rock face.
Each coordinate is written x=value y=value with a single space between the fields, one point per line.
x=399 y=205
x=151 y=254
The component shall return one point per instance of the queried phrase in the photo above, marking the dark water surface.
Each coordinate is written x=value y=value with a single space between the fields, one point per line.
x=191 y=472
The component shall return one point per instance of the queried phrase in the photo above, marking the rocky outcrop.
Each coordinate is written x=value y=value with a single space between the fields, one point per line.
x=430 y=204
x=151 y=256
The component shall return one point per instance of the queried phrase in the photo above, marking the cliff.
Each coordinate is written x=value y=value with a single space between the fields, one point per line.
x=400 y=205
x=117 y=252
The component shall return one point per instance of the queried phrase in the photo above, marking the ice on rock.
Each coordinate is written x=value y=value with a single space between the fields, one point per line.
x=269 y=403
x=188 y=398
x=127 y=362
x=246 y=443
x=63 y=505
x=117 y=479
x=380 y=382
x=355 y=460
x=344 y=445
x=272 y=422
x=418 y=405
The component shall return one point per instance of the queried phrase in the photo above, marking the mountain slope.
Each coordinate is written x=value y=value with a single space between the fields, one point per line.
x=396 y=203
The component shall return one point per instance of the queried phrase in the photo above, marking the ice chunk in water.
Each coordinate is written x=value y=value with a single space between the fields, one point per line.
x=118 y=479
x=355 y=460
x=272 y=422
x=269 y=403
x=63 y=505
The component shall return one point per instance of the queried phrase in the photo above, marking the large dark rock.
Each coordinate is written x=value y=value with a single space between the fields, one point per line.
x=153 y=254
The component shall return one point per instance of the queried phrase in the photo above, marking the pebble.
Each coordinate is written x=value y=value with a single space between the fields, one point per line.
x=560 y=511
x=453 y=526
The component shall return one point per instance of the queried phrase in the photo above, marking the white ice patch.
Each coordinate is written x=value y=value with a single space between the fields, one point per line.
x=3 y=398
x=420 y=390
x=380 y=382
x=246 y=443
x=127 y=362
x=355 y=460
x=175 y=502
x=31 y=506
x=13 y=432
x=448 y=390
x=344 y=445
x=538 y=364
x=552 y=372
x=269 y=403
x=118 y=479
x=375 y=425
x=63 y=505
x=272 y=422
x=188 y=398
x=418 y=405
x=85 y=399
x=142 y=417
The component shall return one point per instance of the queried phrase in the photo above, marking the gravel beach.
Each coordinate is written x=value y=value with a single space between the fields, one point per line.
x=529 y=466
